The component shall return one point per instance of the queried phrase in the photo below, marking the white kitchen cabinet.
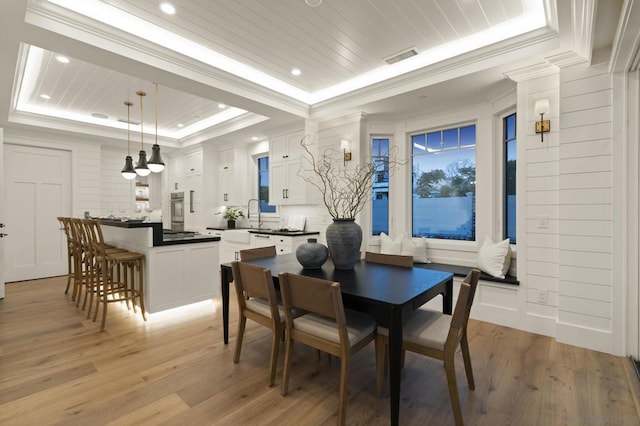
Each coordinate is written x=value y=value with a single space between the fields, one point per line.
x=286 y=147
x=286 y=187
x=193 y=212
x=232 y=177
x=284 y=244
x=180 y=275
x=230 y=251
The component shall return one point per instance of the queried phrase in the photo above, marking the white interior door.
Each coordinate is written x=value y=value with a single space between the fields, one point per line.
x=37 y=191
x=2 y=225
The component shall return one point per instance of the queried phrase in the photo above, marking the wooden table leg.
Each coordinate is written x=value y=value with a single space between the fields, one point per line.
x=395 y=362
x=226 y=276
x=447 y=299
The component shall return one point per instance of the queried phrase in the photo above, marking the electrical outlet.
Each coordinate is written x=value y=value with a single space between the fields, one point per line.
x=543 y=297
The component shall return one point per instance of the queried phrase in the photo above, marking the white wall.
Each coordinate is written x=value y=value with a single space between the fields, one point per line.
x=585 y=226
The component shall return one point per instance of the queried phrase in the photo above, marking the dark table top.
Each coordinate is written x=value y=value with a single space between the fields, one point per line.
x=388 y=284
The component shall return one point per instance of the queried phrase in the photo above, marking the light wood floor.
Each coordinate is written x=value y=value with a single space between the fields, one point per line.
x=57 y=368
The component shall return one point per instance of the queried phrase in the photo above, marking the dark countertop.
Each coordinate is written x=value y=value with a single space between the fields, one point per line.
x=281 y=232
x=159 y=239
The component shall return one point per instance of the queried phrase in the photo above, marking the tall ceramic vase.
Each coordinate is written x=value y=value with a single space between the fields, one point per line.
x=344 y=237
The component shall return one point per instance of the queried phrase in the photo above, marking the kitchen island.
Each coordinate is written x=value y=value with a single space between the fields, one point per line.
x=180 y=269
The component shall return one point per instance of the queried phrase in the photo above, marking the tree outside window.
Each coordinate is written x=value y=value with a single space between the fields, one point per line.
x=444 y=184
x=380 y=188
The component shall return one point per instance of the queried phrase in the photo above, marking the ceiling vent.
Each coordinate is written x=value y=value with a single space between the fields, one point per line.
x=401 y=56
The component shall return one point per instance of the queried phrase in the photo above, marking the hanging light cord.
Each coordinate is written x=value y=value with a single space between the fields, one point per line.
x=141 y=94
x=156 y=113
x=128 y=104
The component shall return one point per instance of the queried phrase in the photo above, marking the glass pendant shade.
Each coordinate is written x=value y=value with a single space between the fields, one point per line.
x=155 y=163
x=128 y=172
x=141 y=168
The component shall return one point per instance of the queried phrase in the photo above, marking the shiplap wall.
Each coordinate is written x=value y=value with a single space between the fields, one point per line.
x=538 y=169
x=87 y=181
x=117 y=192
x=585 y=225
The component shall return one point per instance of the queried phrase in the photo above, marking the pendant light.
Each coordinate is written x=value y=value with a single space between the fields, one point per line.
x=141 y=167
x=155 y=163
x=128 y=172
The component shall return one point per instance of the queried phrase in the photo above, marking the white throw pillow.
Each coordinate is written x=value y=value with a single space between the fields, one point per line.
x=416 y=247
x=390 y=246
x=494 y=258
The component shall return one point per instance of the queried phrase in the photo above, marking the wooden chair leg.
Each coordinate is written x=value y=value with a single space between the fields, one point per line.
x=342 y=395
x=286 y=370
x=241 y=325
x=466 y=356
x=450 y=370
x=273 y=362
x=381 y=363
x=141 y=287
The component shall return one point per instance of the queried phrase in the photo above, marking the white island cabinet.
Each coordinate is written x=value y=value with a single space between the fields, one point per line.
x=178 y=272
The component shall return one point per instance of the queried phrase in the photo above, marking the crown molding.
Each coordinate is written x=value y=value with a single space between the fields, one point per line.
x=238 y=123
x=583 y=23
x=625 y=52
x=69 y=24
x=530 y=72
x=531 y=44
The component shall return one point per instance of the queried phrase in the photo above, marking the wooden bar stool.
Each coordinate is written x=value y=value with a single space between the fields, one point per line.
x=66 y=226
x=114 y=273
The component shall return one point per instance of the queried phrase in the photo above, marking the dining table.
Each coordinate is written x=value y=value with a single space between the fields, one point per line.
x=387 y=293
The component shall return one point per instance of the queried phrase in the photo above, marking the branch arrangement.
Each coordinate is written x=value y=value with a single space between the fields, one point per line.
x=344 y=190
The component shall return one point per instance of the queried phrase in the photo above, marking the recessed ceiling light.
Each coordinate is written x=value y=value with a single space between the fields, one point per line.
x=313 y=3
x=62 y=59
x=180 y=125
x=168 y=8
x=221 y=106
x=296 y=71
x=47 y=97
x=99 y=115
x=255 y=138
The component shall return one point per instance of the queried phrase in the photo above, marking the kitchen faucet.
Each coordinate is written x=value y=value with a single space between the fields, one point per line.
x=249 y=210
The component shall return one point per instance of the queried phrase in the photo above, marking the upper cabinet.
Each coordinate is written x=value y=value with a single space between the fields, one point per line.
x=285 y=161
x=232 y=177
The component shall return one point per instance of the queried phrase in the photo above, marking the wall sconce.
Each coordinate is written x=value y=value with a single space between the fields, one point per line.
x=543 y=126
x=345 y=146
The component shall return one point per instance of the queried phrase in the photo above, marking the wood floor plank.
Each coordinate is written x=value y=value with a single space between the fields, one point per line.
x=56 y=367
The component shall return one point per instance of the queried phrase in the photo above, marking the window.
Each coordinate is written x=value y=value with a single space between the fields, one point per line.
x=444 y=184
x=263 y=186
x=510 y=145
x=380 y=188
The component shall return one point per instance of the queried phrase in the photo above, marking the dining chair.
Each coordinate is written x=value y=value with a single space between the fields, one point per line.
x=438 y=335
x=257 y=301
x=389 y=259
x=326 y=326
x=257 y=253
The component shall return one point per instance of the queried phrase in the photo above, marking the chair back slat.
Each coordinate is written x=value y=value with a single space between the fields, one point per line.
x=253 y=281
x=311 y=294
x=258 y=253
x=389 y=259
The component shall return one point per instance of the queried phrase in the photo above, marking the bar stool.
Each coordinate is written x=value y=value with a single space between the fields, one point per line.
x=66 y=226
x=113 y=276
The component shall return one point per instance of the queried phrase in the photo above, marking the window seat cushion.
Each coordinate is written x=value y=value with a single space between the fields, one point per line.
x=462 y=271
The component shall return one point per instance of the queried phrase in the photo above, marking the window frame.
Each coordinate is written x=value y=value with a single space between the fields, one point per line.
x=389 y=138
x=503 y=173
x=443 y=127
x=256 y=184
